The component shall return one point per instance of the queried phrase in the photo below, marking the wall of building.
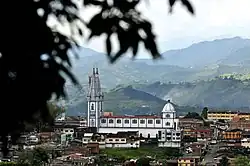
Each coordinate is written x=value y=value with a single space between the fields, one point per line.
x=137 y=122
x=145 y=132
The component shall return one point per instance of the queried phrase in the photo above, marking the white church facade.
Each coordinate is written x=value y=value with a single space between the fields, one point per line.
x=164 y=127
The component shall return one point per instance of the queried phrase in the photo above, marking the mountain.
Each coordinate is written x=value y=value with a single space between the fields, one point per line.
x=128 y=100
x=240 y=57
x=205 y=53
x=200 y=61
x=219 y=92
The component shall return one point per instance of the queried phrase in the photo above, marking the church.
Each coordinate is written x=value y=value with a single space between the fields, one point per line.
x=165 y=127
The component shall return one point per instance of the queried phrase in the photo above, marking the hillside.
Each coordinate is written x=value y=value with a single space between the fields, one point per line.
x=200 y=61
x=205 y=53
x=219 y=93
x=127 y=100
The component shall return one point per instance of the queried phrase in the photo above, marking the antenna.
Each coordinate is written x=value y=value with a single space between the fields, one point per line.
x=97 y=71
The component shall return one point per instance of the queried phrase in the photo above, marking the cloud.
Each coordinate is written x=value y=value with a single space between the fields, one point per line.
x=213 y=19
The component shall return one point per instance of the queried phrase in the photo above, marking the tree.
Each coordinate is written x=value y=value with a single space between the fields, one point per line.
x=224 y=161
x=40 y=157
x=242 y=161
x=204 y=113
x=32 y=68
x=194 y=115
x=144 y=161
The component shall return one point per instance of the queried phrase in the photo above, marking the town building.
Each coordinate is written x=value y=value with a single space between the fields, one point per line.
x=226 y=115
x=164 y=127
x=239 y=123
x=191 y=123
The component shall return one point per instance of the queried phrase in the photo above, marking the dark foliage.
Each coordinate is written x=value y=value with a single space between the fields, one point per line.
x=193 y=115
x=28 y=78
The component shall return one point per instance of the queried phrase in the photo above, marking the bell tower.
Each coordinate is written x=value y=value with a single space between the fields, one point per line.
x=95 y=98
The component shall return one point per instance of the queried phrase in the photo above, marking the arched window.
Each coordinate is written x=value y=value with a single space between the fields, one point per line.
x=168 y=116
x=92 y=107
x=111 y=121
x=126 y=121
x=119 y=121
x=103 y=121
x=134 y=121
x=158 y=121
x=167 y=124
x=142 y=121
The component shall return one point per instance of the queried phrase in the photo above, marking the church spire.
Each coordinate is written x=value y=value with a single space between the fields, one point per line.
x=95 y=99
x=95 y=91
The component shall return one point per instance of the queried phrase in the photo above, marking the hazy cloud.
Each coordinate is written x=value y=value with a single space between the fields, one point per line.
x=213 y=19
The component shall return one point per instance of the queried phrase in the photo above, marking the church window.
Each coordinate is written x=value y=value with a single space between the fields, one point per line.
x=167 y=124
x=126 y=121
x=92 y=107
x=134 y=121
x=111 y=121
x=142 y=121
x=103 y=121
x=158 y=121
x=150 y=121
x=168 y=115
x=119 y=121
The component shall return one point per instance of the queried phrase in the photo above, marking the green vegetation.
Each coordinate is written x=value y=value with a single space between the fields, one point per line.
x=217 y=93
x=236 y=76
x=155 y=152
x=242 y=161
x=204 y=113
x=224 y=161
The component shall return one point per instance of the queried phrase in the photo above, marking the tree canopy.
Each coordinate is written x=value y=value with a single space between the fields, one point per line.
x=242 y=161
x=34 y=58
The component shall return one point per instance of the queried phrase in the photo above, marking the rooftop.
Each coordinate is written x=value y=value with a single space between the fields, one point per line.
x=132 y=116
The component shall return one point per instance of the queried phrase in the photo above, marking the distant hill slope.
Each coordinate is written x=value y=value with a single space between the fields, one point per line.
x=205 y=53
x=127 y=100
x=219 y=93
x=200 y=61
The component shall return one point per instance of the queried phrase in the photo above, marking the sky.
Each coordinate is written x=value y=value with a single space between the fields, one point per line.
x=213 y=19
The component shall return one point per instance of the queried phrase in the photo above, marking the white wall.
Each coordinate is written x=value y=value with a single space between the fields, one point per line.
x=143 y=131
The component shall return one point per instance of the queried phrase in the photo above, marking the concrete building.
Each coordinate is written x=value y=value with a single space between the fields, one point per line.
x=164 y=127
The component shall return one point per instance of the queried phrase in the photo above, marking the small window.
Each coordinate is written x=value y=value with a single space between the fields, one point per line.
x=116 y=140
x=150 y=121
x=71 y=131
x=103 y=121
x=142 y=121
x=110 y=139
x=66 y=131
x=92 y=107
x=134 y=121
x=178 y=134
x=158 y=121
x=111 y=121
x=168 y=115
x=122 y=139
x=167 y=124
x=119 y=121
x=126 y=121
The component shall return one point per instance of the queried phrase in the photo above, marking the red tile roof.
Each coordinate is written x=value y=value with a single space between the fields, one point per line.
x=133 y=116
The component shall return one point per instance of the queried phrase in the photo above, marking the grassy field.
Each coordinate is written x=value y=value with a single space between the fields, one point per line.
x=127 y=153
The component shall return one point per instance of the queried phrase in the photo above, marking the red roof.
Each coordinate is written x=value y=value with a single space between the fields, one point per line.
x=134 y=116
